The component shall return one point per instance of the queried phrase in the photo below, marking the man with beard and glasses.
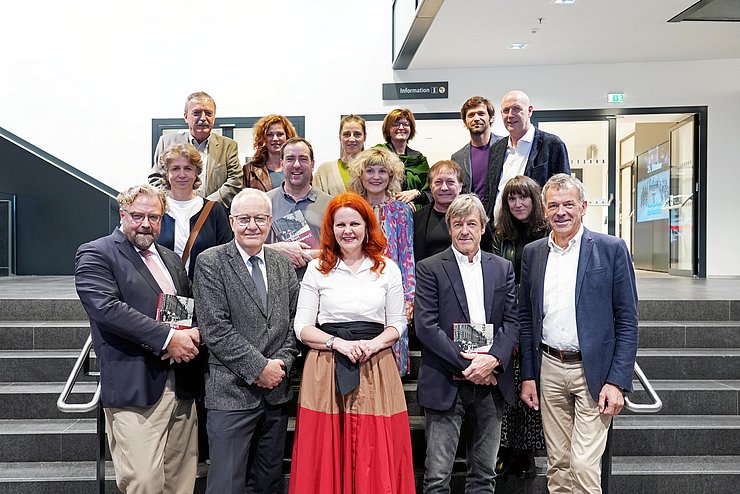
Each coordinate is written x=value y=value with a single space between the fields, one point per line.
x=222 y=174
x=474 y=158
x=147 y=376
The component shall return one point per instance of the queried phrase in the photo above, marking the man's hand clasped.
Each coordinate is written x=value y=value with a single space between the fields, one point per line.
x=183 y=346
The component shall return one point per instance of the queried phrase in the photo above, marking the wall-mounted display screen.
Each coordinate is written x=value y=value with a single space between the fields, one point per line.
x=653 y=183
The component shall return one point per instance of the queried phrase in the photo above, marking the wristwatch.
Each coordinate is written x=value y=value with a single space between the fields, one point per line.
x=330 y=343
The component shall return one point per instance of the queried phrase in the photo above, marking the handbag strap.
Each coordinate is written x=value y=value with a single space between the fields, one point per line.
x=196 y=229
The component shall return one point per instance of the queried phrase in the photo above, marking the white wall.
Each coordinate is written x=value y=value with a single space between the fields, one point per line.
x=84 y=79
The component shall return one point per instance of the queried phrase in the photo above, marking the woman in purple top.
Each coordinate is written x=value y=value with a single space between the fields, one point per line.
x=376 y=175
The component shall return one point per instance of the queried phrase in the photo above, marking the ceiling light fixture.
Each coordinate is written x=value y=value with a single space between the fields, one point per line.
x=518 y=46
x=565 y=2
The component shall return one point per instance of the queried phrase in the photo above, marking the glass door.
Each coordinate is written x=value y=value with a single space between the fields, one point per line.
x=592 y=160
x=681 y=202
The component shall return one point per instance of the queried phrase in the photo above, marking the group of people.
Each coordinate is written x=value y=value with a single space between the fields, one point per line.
x=340 y=264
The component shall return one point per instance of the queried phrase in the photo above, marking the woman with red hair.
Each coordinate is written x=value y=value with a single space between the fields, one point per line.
x=264 y=170
x=352 y=428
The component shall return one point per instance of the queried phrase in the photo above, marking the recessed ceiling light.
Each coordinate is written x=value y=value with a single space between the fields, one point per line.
x=565 y=2
x=518 y=46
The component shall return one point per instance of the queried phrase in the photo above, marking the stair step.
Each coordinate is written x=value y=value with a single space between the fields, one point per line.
x=37 y=400
x=690 y=363
x=38 y=365
x=43 y=335
x=689 y=334
x=693 y=397
x=684 y=435
x=689 y=310
x=41 y=309
x=630 y=474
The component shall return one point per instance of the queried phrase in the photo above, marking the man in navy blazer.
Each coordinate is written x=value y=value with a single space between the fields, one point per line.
x=148 y=401
x=462 y=285
x=578 y=316
x=528 y=151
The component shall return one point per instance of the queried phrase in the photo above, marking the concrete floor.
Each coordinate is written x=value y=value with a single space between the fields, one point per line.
x=650 y=286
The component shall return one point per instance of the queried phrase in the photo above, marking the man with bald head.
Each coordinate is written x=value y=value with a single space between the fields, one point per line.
x=528 y=151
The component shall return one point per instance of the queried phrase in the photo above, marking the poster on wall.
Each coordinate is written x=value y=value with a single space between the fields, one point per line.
x=653 y=183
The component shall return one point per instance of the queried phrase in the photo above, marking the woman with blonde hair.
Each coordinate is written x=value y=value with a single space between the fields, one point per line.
x=376 y=175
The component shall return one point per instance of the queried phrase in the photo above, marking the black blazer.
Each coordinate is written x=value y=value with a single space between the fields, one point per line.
x=440 y=302
x=120 y=297
x=547 y=157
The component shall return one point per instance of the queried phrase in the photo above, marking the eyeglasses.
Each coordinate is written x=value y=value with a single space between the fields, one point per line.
x=244 y=219
x=154 y=219
x=396 y=125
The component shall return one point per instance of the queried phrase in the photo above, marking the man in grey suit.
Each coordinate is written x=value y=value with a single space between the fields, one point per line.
x=222 y=174
x=245 y=301
x=474 y=157
x=578 y=316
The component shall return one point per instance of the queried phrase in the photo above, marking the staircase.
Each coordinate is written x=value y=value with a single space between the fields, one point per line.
x=690 y=351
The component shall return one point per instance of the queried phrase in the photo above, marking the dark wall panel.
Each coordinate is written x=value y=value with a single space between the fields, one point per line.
x=55 y=212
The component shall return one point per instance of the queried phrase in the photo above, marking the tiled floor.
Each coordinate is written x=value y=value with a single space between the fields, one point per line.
x=650 y=286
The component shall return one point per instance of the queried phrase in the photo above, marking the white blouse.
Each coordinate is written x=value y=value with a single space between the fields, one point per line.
x=344 y=296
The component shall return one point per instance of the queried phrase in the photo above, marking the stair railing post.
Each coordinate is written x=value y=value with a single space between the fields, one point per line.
x=100 y=455
x=606 y=462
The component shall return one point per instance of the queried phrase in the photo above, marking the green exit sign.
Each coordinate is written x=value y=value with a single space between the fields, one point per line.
x=615 y=98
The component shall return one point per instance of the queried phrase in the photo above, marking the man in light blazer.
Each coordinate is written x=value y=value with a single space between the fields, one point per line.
x=528 y=151
x=462 y=285
x=245 y=301
x=222 y=173
x=578 y=316
x=148 y=402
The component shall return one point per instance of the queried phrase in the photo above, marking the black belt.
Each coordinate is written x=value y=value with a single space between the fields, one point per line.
x=562 y=355
x=346 y=373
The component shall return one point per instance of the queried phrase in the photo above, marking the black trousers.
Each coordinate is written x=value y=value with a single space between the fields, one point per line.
x=247 y=449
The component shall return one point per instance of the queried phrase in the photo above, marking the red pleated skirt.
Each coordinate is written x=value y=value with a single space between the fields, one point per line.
x=354 y=444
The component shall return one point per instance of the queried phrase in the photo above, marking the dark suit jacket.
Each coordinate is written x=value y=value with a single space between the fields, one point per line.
x=440 y=302
x=223 y=172
x=462 y=158
x=215 y=231
x=120 y=296
x=547 y=157
x=421 y=250
x=606 y=310
x=241 y=334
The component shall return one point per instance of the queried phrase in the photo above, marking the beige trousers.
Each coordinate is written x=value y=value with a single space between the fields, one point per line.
x=575 y=431
x=155 y=449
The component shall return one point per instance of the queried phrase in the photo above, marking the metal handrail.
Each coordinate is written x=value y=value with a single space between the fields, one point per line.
x=653 y=407
x=91 y=405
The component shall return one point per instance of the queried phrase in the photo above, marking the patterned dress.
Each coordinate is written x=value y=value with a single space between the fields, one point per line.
x=396 y=220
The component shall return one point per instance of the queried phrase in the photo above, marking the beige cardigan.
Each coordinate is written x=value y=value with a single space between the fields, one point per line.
x=328 y=178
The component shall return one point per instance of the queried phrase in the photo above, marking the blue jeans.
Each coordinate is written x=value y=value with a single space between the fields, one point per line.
x=482 y=408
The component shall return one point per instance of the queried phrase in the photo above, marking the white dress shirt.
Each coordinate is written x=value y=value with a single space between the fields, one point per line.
x=514 y=164
x=559 y=329
x=181 y=212
x=472 y=278
x=346 y=296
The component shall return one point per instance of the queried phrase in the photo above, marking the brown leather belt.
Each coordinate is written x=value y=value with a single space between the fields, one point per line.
x=562 y=355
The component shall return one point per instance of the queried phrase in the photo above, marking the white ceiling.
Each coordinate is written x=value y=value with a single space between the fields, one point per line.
x=478 y=33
